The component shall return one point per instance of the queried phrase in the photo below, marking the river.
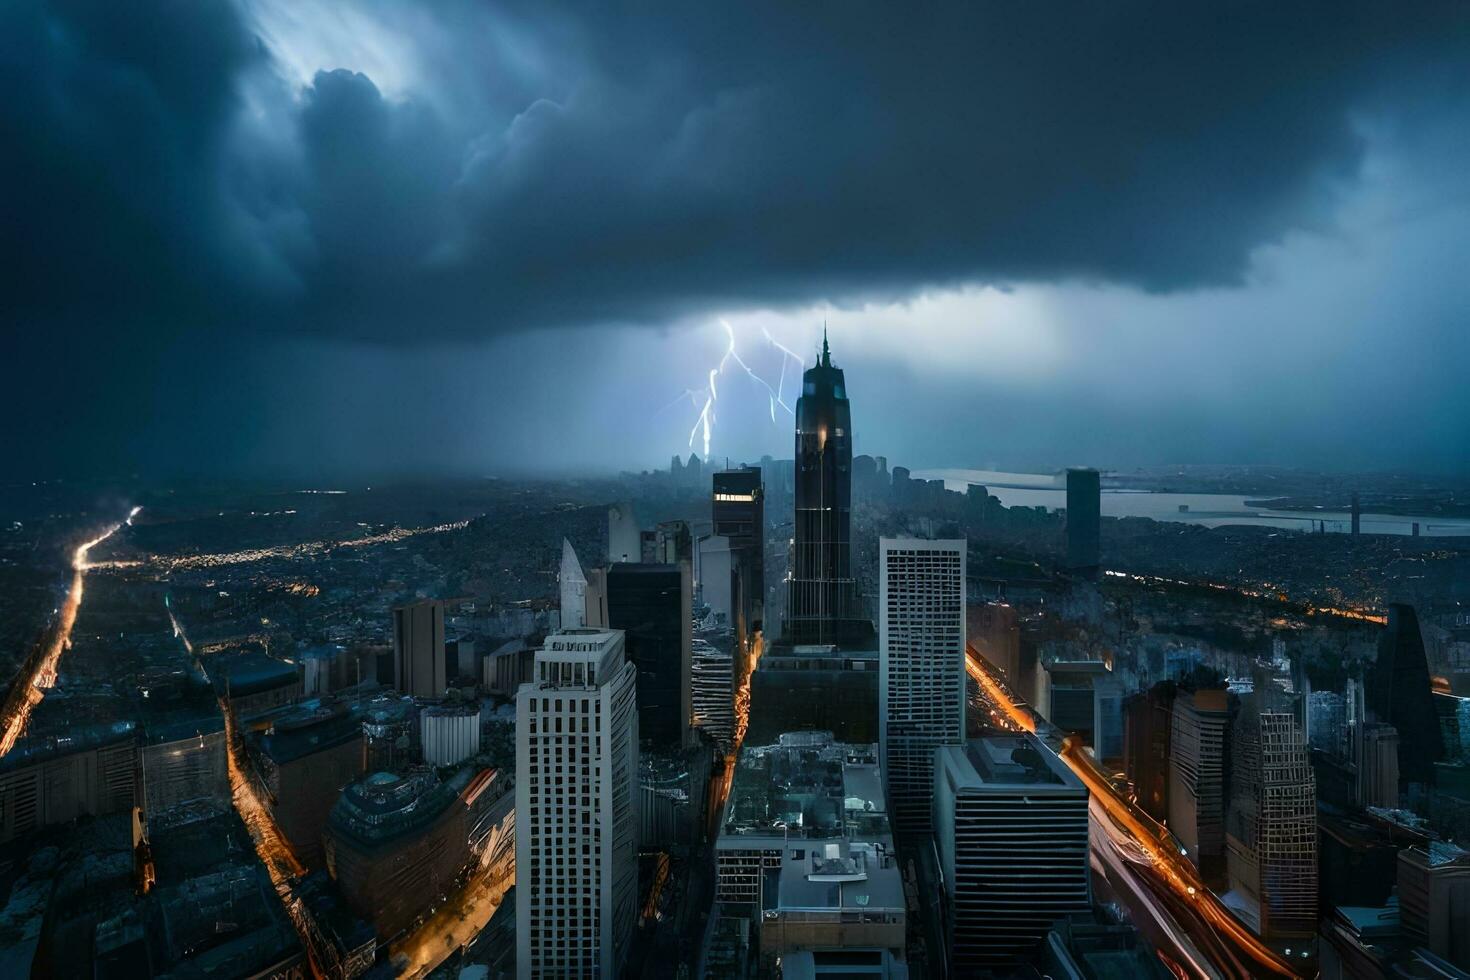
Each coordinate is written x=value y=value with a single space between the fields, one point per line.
x=1208 y=509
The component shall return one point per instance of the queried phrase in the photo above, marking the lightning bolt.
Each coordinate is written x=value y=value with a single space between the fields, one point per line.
x=705 y=419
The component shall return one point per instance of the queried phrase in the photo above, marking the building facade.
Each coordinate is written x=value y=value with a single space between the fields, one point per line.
x=921 y=679
x=1197 y=776
x=822 y=603
x=419 y=666
x=1271 y=827
x=1010 y=828
x=1084 y=520
x=577 y=808
x=653 y=606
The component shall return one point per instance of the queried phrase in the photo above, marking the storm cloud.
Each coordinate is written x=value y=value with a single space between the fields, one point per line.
x=559 y=165
x=196 y=194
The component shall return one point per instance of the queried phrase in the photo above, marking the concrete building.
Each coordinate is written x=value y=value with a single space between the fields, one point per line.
x=805 y=851
x=623 y=537
x=921 y=673
x=182 y=751
x=508 y=667
x=419 y=667
x=1148 y=721
x=91 y=771
x=449 y=733
x=573 y=585
x=818 y=688
x=1197 y=777
x=577 y=808
x=713 y=684
x=1434 y=900
x=1271 y=826
x=1376 y=758
x=653 y=606
x=1084 y=520
x=1010 y=828
x=299 y=765
x=396 y=844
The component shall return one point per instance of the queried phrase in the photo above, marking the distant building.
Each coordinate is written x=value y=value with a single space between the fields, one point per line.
x=1398 y=693
x=1197 y=776
x=253 y=682
x=653 y=606
x=1084 y=520
x=396 y=844
x=623 y=537
x=1271 y=826
x=461 y=660
x=1327 y=722
x=921 y=673
x=450 y=733
x=1010 y=827
x=577 y=808
x=1376 y=756
x=418 y=649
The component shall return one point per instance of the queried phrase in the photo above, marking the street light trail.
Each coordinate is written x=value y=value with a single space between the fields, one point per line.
x=1130 y=827
x=43 y=674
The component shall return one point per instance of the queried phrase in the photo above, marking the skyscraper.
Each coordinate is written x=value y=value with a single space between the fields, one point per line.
x=577 y=808
x=921 y=679
x=1271 y=828
x=822 y=604
x=1084 y=520
x=738 y=510
x=653 y=606
x=1196 y=794
x=1398 y=693
x=1010 y=827
x=419 y=666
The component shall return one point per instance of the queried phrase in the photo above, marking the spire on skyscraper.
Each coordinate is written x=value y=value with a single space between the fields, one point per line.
x=826 y=353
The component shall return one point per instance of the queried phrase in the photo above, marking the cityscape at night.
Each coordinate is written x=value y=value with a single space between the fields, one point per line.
x=499 y=490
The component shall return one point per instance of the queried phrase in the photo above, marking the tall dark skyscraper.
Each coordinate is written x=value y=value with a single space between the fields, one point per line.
x=651 y=604
x=739 y=512
x=822 y=604
x=1398 y=693
x=1084 y=520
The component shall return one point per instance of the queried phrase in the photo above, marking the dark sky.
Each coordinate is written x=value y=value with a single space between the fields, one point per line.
x=322 y=238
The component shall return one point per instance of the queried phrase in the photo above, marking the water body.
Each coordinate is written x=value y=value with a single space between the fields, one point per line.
x=1208 y=509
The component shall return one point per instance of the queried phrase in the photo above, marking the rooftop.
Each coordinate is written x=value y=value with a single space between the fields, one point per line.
x=1008 y=760
x=807 y=786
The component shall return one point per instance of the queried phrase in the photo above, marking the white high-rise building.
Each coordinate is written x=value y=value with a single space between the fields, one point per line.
x=577 y=808
x=921 y=678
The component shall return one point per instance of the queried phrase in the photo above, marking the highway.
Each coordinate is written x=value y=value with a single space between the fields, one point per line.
x=1168 y=897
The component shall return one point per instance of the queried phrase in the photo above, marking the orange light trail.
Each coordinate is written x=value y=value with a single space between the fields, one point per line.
x=44 y=675
x=1154 y=841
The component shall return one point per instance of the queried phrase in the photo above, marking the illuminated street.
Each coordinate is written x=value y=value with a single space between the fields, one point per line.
x=44 y=674
x=456 y=922
x=1154 y=859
